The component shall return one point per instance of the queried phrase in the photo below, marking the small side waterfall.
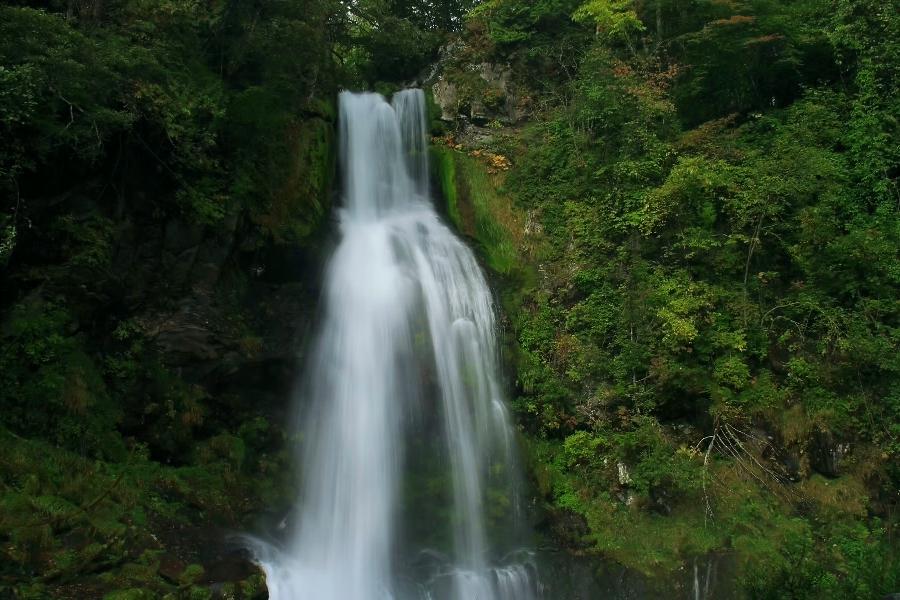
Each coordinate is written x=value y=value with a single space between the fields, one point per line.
x=409 y=464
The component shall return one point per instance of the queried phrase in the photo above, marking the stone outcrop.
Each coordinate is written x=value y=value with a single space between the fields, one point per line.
x=482 y=93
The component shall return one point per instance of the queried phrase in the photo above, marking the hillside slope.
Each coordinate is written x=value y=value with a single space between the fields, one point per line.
x=695 y=237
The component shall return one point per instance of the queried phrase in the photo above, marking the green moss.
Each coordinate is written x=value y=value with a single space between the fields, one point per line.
x=438 y=127
x=253 y=586
x=191 y=574
x=476 y=208
x=443 y=162
x=44 y=364
x=494 y=234
x=225 y=448
x=294 y=198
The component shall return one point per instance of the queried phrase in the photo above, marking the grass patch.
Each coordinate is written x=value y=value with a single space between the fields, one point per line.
x=477 y=209
x=443 y=166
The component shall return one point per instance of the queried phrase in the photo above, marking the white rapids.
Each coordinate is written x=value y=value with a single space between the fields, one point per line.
x=408 y=467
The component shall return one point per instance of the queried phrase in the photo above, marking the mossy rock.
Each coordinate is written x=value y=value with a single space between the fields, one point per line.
x=254 y=587
x=192 y=574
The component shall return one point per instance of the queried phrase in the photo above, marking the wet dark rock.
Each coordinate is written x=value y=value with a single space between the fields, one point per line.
x=566 y=576
x=661 y=502
x=180 y=236
x=791 y=464
x=188 y=334
x=171 y=568
x=226 y=565
x=568 y=528
x=827 y=453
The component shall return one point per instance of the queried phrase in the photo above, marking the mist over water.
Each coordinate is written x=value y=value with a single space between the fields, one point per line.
x=410 y=483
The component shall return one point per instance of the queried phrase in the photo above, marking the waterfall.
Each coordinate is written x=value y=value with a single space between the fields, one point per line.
x=409 y=472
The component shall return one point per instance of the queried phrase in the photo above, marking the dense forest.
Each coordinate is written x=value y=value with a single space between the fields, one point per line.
x=689 y=211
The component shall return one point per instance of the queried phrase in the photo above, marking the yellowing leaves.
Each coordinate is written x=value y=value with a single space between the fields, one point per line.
x=495 y=162
x=733 y=20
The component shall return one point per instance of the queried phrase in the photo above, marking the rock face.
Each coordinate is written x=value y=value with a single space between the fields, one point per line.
x=446 y=95
x=481 y=93
x=570 y=577
x=499 y=100
x=172 y=279
x=493 y=97
x=827 y=454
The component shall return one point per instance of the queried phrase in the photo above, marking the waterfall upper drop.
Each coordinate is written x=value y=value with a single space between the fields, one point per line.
x=410 y=482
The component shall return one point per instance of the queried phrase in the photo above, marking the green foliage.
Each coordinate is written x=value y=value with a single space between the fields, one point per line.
x=191 y=574
x=697 y=248
x=394 y=48
x=284 y=167
x=860 y=558
x=444 y=167
x=50 y=385
x=197 y=107
x=64 y=517
x=8 y=233
x=717 y=248
x=60 y=88
x=395 y=41
x=511 y=22
x=433 y=15
x=615 y=19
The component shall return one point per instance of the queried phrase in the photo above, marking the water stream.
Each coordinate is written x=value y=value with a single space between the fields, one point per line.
x=410 y=482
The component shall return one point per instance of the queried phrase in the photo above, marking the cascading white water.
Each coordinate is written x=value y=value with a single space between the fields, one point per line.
x=409 y=465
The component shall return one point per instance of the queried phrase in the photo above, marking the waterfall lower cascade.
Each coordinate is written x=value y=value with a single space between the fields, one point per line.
x=409 y=463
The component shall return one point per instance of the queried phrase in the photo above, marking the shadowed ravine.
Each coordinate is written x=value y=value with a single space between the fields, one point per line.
x=410 y=483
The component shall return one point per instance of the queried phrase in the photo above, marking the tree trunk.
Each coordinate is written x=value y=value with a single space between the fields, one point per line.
x=659 y=22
